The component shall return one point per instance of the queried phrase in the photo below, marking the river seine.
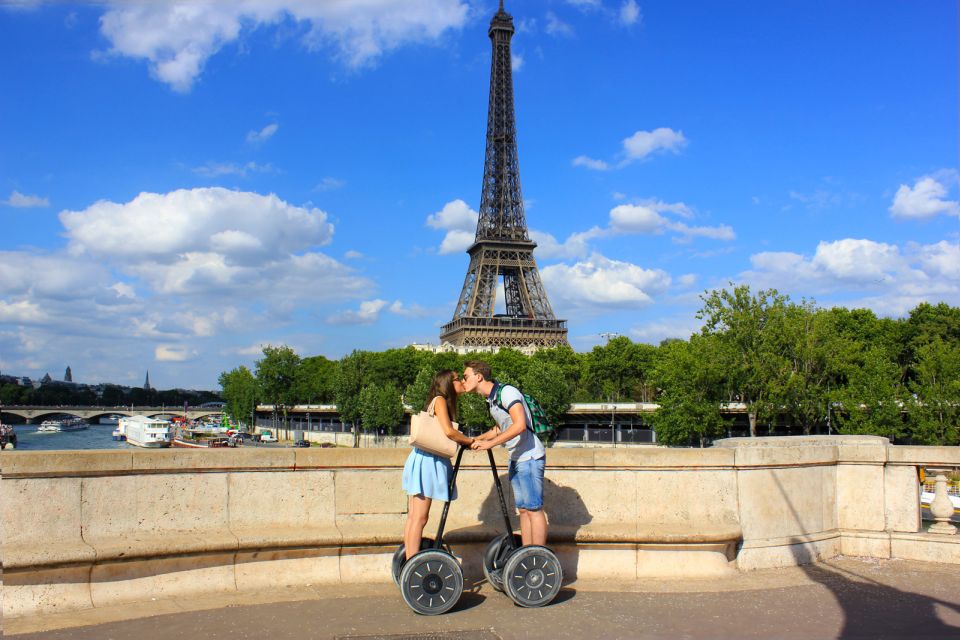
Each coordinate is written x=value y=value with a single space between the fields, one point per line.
x=98 y=436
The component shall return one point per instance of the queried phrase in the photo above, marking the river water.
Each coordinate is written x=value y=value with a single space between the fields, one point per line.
x=98 y=436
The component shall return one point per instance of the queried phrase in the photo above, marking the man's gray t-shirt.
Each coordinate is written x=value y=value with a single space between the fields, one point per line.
x=527 y=445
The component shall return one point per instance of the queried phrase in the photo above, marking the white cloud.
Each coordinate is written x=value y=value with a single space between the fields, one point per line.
x=21 y=312
x=456 y=242
x=585 y=4
x=329 y=183
x=926 y=199
x=646 y=219
x=217 y=169
x=259 y=137
x=410 y=311
x=516 y=62
x=884 y=277
x=643 y=143
x=460 y=223
x=352 y=255
x=941 y=259
x=557 y=27
x=183 y=226
x=637 y=147
x=590 y=163
x=173 y=353
x=368 y=313
x=176 y=39
x=630 y=13
x=602 y=282
x=655 y=332
x=575 y=246
x=22 y=201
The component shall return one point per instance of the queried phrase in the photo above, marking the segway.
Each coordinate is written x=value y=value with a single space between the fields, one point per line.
x=530 y=575
x=431 y=582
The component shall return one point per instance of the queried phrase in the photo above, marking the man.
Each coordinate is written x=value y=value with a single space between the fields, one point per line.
x=514 y=430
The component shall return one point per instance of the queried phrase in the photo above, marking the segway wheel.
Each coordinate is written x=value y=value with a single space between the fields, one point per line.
x=532 y=576
x=400 y=556
x=431 y=582
x=495 y=558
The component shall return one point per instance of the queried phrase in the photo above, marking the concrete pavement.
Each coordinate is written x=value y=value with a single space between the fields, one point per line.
x=843 y=598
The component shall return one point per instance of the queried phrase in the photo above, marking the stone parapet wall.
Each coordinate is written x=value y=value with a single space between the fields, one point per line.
x=91 y=528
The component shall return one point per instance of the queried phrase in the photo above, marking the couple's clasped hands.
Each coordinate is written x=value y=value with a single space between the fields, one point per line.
x=480 y=445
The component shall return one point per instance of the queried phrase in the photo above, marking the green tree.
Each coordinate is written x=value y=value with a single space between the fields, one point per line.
x=690 y=376
x=380 y=407
x=348 y=382
x=239 y=392
x=935 y=411
x=571 y=364
x=473 y=413
x=748 y=327
x=871 y=402
x=313 y=381
x=276 y=373
x=546 y=382
x=618 y=370
x=509 y=365
x=808 y=346
x=416 y=392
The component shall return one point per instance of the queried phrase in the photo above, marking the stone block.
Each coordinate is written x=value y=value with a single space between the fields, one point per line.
x=901 y=490
x=598 y=561
x=860 y=497
x=184 y=502
x=781 y=502
x=41 y=511
x=367 y=564
x=917 y=455
x=109 y=506
x=186 y=460
x=45 y=591
x=287 y=568
x=865 y=544
x=349 y=458
x=926 y=547
x=367 y=491
x=376 y=529
x=661 y=458
x=610 y=497
x=684 y=561
x=694 y=498
x=113 y=583
x=260 y=500
x=788 y=554
x=38 y=464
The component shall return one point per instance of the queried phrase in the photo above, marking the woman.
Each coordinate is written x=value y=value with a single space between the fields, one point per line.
x=426 y=477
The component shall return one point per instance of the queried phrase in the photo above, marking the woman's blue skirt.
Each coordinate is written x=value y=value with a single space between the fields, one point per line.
x=427 y=475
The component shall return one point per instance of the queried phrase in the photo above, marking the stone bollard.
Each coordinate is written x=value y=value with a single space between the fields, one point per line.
x=941 y=508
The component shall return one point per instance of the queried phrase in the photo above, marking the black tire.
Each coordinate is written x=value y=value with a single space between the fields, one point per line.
x=400 y=556
x=431 y=582
x=532 y=576
x=495 y=558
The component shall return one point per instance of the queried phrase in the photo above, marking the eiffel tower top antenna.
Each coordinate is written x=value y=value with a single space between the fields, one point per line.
x=502 y=251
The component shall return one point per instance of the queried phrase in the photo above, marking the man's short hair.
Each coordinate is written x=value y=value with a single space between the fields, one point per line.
x=481 y=367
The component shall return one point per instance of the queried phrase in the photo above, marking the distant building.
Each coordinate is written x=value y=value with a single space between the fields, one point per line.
x=46 y=379
x=448 y=347
x=146 y=383
x=68 y=376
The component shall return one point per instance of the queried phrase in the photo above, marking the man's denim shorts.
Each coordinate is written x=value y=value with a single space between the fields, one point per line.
x=526 y=478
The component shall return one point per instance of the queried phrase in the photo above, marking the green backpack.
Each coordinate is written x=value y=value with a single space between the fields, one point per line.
x=540 y=425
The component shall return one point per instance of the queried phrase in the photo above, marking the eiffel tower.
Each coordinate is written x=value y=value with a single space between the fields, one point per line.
x=502 y=247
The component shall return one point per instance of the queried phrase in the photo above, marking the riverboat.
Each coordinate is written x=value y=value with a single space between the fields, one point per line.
x=142 y=431
x=186 y=442
x=8 y=437
x=67 y=424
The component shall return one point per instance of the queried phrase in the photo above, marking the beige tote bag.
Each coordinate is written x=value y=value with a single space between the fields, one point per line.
x=427 y=435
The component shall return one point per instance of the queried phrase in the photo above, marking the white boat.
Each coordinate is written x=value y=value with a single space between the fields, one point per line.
x=146 y=432
x=67 y=424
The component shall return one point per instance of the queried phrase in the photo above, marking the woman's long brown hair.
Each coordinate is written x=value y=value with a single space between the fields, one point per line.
x=442 y=385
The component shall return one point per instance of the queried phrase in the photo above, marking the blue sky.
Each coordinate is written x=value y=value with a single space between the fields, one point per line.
x=180 y=185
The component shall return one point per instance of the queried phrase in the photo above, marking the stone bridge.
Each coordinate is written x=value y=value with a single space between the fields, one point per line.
x=35 y=413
